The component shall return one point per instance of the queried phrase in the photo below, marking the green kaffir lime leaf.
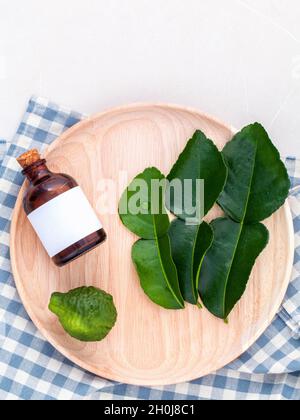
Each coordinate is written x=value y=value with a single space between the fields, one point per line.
x=200 y=160
x=258 y=183
x=189 y=244
x=142 y=205
x=157 y=272
x=228 y=264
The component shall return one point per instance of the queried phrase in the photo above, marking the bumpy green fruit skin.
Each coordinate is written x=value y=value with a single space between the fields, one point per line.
x=87 y=314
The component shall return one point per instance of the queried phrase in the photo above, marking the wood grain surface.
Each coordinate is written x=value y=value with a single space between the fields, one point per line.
x=149 y=345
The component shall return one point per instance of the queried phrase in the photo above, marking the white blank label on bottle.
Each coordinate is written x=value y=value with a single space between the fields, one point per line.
x=64 y=221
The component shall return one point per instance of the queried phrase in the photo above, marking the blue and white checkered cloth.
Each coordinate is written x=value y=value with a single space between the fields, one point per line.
x=31 y=369
x=2 y=150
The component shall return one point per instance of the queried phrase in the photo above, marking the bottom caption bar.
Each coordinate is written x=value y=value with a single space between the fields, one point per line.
x=134 y=409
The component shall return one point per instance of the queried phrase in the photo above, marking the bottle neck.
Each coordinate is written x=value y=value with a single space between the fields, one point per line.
x=37 y=172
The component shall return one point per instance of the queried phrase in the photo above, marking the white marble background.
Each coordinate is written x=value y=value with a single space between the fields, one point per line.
x=236 y=59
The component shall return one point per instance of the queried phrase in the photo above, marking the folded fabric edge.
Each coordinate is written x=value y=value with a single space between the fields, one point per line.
x=292 y=321
x=3 y=150
x=42 y=122
x=293 y=166
x=46 y=103
x=289 y=311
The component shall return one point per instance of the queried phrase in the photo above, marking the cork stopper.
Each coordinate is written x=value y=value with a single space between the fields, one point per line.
x=29 y=158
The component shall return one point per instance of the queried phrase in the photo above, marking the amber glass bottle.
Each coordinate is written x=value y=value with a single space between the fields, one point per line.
x=59 y=211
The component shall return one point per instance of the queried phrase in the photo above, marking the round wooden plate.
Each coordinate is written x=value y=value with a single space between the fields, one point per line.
x=149 y=345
